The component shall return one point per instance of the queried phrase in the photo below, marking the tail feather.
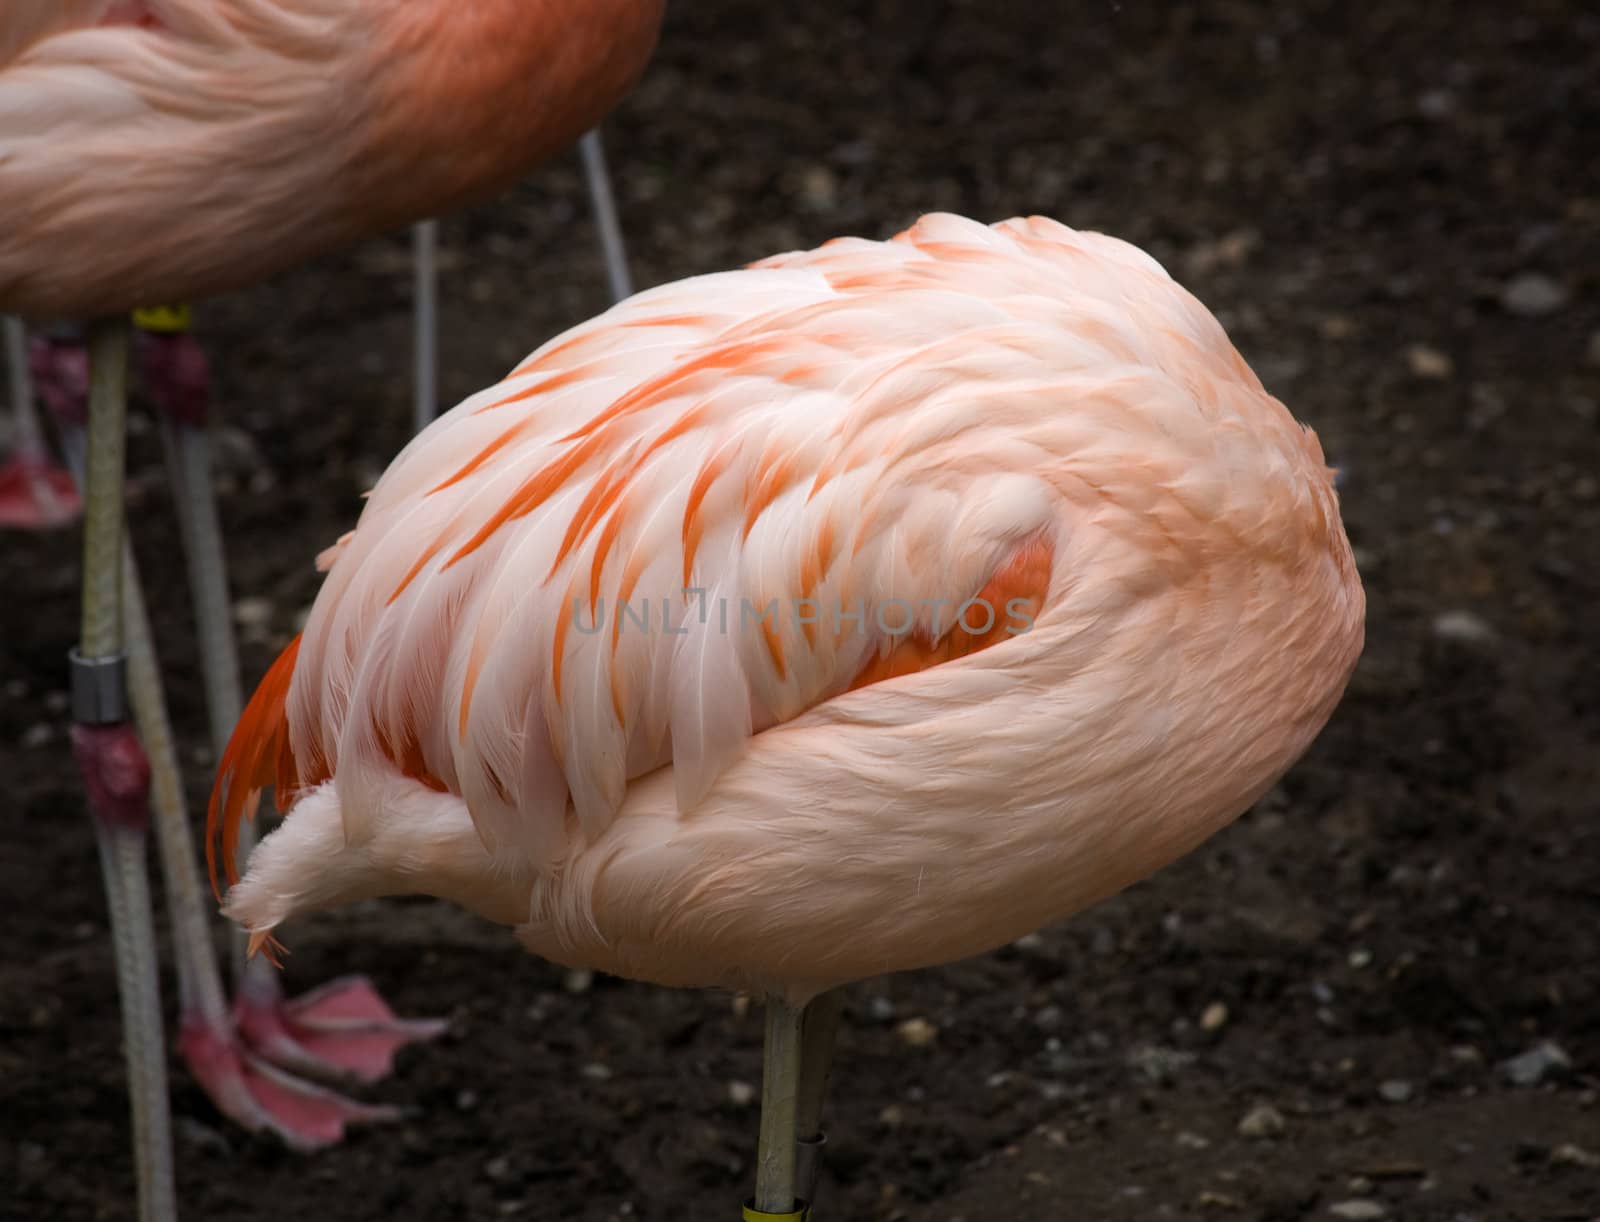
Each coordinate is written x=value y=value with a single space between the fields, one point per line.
x=258 y=755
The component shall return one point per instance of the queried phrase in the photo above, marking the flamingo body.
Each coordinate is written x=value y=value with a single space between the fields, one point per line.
x=1022 y=416
x=233 y=138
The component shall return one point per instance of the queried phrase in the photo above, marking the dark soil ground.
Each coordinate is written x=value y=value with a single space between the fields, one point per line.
x=1395 y=209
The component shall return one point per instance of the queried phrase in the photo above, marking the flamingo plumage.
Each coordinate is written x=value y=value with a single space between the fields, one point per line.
x=236 y=138
x=854 y=612
x=154 y=151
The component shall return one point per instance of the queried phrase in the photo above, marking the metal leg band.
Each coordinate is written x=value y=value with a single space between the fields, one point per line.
x=99 y=688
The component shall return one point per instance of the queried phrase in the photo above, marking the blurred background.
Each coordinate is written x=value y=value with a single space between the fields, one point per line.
x=1377 y=995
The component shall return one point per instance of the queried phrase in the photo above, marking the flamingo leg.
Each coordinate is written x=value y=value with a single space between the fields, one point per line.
x=343 y=1029
x=35 y=493
x=816 y=1055
x=425 y=278
x=117 y=776
x=604 y=204
x=425 y=323
x=775 y=1196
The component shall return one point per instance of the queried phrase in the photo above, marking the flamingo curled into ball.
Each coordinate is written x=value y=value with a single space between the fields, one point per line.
x=154 y=151
x=861 y=610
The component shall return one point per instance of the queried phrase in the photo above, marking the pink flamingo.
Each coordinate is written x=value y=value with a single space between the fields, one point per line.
x=159 y=150
x=855 y=612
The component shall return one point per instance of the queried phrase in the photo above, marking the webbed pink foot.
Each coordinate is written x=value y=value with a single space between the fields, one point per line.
x=36 y=493
x=261 y=1097
x=342 y=1030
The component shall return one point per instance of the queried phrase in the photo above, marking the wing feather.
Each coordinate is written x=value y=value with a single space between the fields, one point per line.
x=864 y=460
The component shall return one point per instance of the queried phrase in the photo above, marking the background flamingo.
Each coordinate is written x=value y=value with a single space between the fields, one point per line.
x=226 y=142
x=664 y=649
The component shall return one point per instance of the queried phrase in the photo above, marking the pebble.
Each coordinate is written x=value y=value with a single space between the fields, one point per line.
x=892 y=1117
x=1430 y=363
x=1463 y=627
x=1569 y=1155
x=37 y=735
x=1395 y=1090
x=200 y=1136
x=1542 y=1061
x=1358 y=1211
x=578 y=980
x=1191 y=1141
x=596 y=1072
x=819 y=189
x=1532 y=295
x=1214 y=1016
x=741 y=1094
x=252 y=612
x=1261 y=1122
x=880 y=1009
x=1159 y=1064
x=917 y=1032
x=466 y=1100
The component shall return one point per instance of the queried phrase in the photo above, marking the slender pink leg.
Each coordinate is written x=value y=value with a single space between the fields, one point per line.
x=117 y=777
x=343 y=1030
x=35 y=492
x=244 y=1084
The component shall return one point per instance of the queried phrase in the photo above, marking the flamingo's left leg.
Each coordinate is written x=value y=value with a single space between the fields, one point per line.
x=343 y=1029
x=117 y=775
x=35 y=492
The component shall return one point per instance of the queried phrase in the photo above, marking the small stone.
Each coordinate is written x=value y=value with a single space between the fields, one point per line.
x=1360 y=958
x=1159 y=1064
x=1430 y=363
x=1216 y=1200
x=37 y=735
x=1262 y=1122
x=917 y=1032
x=1048 y=1018
x=200 y=1136
x=596 y=1072
x=1358 y=1211
x=1436 y=104
x=1191 y=1141
x=741 y=1094
x=1028 y=942
x=498 y=1169
x=1463 y=627
x=1541 y=1062
x=819 y=189
x=880 y=1009
x=578 y=980
x=892 y=1117
x=252 y=612
x=1214 y=1017
x=1569 y=1155
x=740 y=1005
x=1359 y=1185
x=1532 y=295
x=1395 y=1090
x=466 y=1100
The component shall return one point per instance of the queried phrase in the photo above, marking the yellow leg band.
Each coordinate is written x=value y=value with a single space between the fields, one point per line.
x=165 y=320
x=801 y=1214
